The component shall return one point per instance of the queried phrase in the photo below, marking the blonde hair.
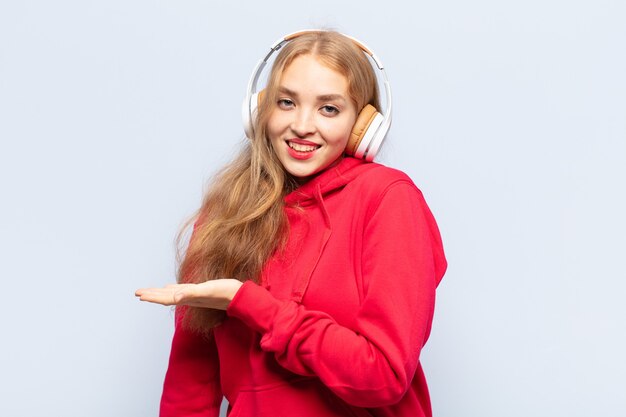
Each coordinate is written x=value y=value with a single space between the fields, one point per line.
x=241 y=222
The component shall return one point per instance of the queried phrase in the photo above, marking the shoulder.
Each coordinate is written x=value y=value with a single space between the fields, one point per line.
x=376 y=185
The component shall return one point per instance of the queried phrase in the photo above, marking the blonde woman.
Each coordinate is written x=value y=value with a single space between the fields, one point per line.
x=308 y=285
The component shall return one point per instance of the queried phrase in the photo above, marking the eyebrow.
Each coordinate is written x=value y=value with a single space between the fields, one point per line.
x=323 y=97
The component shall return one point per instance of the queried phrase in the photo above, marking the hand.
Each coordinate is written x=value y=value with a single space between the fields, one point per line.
x=216 y=294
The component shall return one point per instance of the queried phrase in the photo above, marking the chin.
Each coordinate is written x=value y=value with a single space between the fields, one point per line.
x=302 y=174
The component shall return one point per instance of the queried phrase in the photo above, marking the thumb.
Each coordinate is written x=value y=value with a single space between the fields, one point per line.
x=180 y=295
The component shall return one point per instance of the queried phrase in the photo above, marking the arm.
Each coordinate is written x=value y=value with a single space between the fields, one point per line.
x=191 y=387
x=373 y=363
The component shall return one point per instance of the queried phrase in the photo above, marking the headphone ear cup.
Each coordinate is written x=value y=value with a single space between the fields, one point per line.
x=250 y=111
x=366 y=124
x=260 y=96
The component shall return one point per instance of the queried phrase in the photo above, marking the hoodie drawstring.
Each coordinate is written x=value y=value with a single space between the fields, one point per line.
x=303 y=282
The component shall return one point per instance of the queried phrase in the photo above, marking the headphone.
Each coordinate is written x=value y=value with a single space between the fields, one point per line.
x=371 y=126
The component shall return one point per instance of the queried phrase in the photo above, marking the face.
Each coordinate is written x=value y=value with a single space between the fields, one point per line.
x=313 y=117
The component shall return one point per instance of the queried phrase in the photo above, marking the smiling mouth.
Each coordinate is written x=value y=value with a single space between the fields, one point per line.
x=300 y=147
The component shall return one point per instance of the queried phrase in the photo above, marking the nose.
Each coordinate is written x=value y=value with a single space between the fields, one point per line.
x=303 y=123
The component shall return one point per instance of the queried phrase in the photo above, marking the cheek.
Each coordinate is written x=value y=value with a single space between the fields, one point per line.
x=338 y=133
x=275 y=126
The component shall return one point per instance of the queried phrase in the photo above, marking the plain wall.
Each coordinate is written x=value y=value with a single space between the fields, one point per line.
x=510 y=116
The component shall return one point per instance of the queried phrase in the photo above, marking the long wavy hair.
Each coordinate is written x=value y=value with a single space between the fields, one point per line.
x=241 y=222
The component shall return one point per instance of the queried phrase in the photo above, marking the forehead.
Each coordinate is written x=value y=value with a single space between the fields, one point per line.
x=307 y=73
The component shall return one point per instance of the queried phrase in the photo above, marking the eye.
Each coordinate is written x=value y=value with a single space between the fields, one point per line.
x=285 y=103
x=329 y=110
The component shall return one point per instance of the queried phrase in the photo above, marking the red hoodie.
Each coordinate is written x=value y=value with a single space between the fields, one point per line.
x=336 y=326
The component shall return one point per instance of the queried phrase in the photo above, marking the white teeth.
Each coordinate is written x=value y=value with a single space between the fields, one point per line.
x=301 y=148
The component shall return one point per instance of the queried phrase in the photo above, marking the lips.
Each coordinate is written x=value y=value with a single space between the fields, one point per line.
x=301 y=149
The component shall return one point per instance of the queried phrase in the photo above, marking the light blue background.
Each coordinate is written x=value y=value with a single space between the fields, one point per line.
x=509 y=115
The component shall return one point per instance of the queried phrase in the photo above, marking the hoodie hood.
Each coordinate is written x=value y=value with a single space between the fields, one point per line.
x=328 y=181
x=334 y=179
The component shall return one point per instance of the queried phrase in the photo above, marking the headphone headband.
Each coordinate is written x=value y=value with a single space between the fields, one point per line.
x=366 y=149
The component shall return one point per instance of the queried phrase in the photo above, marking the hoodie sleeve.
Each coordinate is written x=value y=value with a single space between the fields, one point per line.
x=191 y=387
x=372 y=363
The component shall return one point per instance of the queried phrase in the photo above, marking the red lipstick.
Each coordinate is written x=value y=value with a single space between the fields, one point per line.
x=301 y=155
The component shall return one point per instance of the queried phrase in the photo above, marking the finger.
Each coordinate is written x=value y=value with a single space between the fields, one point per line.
x=158 y=296
x=141 y=291
x=145 y=290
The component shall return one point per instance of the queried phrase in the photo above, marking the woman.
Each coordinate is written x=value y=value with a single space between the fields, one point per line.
x=308 y=285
